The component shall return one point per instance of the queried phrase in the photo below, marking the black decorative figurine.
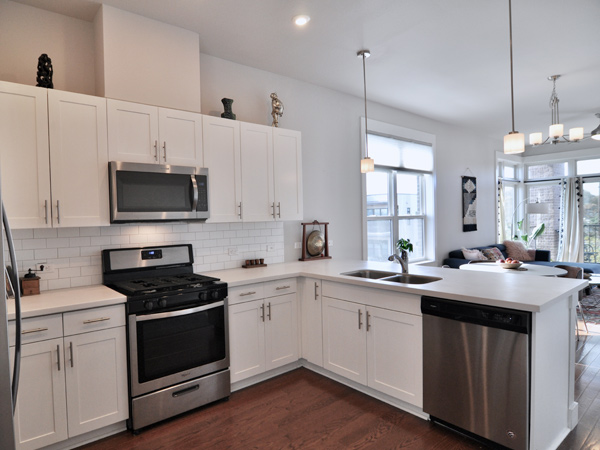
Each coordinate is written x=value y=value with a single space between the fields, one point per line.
x=44 y=72
x=228 y=114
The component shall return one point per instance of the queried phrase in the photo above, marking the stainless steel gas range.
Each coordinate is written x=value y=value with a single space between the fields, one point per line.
x=178 y=346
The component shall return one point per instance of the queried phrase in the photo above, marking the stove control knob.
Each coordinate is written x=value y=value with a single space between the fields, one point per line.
x=203 y=296
x=216 y=295
x=162 y=302
x=148 y=305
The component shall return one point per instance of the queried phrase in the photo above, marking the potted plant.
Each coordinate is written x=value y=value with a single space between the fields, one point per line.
x=527 y=239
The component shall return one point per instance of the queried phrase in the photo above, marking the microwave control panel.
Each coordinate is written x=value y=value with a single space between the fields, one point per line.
x=202 y=183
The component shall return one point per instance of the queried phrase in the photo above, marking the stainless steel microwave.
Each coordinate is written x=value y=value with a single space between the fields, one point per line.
x=154 y=192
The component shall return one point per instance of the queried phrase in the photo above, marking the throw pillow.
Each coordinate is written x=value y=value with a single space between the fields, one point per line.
x=492 y=254
x=473 y=255
x=517 y=250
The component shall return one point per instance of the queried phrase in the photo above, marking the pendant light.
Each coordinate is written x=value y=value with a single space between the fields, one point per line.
x=366 y=164
x=596 y=131
x=514 y=142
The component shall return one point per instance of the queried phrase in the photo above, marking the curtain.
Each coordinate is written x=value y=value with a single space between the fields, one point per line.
x=570 y=247
x=501 y=213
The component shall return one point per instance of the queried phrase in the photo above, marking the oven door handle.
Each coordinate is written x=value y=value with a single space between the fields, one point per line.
x=182 y=312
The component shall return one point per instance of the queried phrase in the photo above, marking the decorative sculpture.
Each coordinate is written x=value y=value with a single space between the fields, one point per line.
x=277 y=110
x=44 y=72
x=228 y=114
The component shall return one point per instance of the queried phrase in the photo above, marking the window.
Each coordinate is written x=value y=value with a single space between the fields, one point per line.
x=588 y=167
x=399 y=195
x=546 y=192
x=546 y=171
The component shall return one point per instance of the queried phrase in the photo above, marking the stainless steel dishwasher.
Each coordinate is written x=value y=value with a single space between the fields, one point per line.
x=476 y=370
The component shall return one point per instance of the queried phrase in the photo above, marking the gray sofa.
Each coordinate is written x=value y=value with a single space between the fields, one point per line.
x=456 y=259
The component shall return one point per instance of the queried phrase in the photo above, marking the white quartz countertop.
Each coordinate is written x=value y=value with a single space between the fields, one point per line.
x=503 y=290
x=63 y=300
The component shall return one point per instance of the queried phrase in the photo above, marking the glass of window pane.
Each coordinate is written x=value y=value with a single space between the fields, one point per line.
x=588 y=167
x=591 y=222
x=408 y=199
x=379 y=240
x=378 y=197
x=412 y=229
x=549 y=239
x=544 y=171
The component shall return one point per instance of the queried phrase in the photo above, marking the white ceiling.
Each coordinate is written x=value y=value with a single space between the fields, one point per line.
x=444 y=59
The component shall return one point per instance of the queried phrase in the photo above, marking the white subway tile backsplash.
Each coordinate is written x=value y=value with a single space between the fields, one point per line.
x=74 y=254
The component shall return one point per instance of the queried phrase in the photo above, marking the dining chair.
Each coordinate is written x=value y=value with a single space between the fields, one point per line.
x=575 y=272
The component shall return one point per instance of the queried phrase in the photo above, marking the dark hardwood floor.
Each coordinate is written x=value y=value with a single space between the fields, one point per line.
x=304 y=410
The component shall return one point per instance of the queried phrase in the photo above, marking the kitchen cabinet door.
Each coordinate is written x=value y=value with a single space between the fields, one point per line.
x=96 y=378
x=394 y=354
x=281 y=330
x=24 y=162
x=180 y=137
x=344 y=340
x=257 y=173
x=247 y=339
x=79 y=159
x=41 y=415
x=132 y=132
x=287 y=167
x=312 y=321
x=221 y=144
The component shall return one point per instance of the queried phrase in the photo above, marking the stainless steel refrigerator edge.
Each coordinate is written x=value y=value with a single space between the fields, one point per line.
x=7 y=436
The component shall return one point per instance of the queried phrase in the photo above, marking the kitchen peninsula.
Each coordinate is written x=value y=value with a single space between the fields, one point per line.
x=316 y=290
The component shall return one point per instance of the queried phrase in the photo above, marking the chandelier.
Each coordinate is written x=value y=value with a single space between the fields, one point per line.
x=556 y=130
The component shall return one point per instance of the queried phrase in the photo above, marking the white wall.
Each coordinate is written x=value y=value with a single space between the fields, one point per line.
x=330 y=126
x=27 y=32
x=329 y=122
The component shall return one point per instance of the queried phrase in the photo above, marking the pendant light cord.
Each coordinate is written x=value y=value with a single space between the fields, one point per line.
x=512 y=93
x=365 y=90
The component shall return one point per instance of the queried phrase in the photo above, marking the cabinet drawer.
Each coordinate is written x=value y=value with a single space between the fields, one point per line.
x=94 y=319
x=246 y=293
x=280 y=287
x=36 y=329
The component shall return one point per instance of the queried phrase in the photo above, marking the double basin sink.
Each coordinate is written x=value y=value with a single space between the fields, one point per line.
x=401 y=278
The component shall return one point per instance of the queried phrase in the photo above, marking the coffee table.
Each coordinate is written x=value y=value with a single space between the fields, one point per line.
x=531 y=269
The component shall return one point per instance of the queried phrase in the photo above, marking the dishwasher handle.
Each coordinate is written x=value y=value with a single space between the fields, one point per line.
x=488 y=316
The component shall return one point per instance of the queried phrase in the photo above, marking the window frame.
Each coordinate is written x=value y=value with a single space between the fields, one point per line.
x=427 y=187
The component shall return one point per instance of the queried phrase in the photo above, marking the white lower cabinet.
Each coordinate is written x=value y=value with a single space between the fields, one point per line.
x=263 y=331
x=377 y=347
x=312 y=321
x=73 y=384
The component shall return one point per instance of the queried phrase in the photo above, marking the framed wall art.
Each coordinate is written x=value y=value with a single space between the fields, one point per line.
x=469 y=199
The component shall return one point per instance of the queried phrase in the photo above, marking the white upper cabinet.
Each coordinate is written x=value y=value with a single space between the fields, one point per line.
x=60 y=132
x=257 y=173
x=148 y=134
x=221 y=142
x=287 y=164
x=24 y=162
x=180 y=137
x=132 y=132
x=78 y=159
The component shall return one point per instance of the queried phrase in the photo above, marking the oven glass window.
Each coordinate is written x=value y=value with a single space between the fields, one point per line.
x=153 y=192
x=174 y=344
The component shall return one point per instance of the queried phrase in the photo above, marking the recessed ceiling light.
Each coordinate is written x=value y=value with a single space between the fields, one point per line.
x=301 y=20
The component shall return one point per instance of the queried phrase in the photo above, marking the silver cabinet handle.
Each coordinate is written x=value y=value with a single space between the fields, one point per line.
x=46 y=211
x=368 y=322
x=279 y=209
x=71 y=352
x=262 y=312
x=316 y=290
x=58 y=356
x=359 y=319
x=273 y=208
x=58 y=211
x=99 y=319
x=269 y=314
x=240 y=210
x=279 y=288
x=155 y=150
x=243 y=294
x=34 y=330
x=165 y=150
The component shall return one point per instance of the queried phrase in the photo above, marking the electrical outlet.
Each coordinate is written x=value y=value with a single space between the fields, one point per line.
x=330 y=242
x=270 y=248
x=297 y=244
x=232 y=251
